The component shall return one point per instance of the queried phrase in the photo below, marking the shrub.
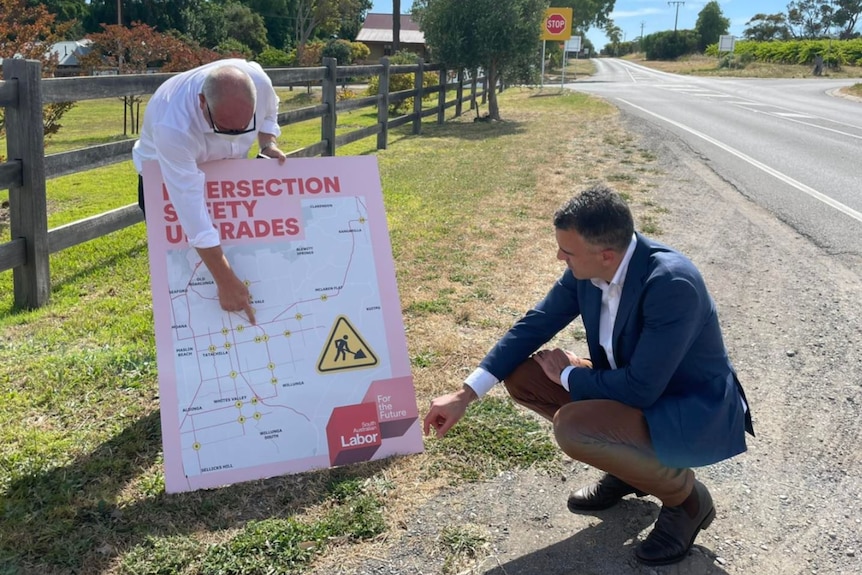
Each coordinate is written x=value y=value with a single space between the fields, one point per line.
x=359 y=52
x=338 y=49
x=736 y=61
x=273 y=57
x=671 y=45
x=398 y=82
x=234 y=48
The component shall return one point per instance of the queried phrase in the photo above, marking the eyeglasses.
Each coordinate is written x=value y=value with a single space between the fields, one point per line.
x=218 y=130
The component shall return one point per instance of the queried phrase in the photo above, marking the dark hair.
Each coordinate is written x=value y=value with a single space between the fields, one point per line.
x=600 y=215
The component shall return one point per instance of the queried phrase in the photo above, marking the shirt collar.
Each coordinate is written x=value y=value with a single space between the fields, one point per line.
x=620 y=275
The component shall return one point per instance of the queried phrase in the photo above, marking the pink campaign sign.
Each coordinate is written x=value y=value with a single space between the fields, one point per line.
x=323 y=377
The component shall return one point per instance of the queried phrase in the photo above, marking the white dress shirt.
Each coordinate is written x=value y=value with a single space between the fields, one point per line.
x=481 y=381
x=177 y=135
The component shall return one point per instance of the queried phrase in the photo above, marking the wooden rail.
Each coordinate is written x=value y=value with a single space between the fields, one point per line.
x=23 y=92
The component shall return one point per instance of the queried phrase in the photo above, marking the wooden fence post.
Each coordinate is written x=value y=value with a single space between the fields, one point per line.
x=330 y=97
x=28 y=204
x=418 y=86
x=441 y=97
x=383 y=106
x=473 y=82
x=459 y=93
x=485 y=88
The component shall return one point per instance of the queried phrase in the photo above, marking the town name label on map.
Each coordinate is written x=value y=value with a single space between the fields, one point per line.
x=225 y=200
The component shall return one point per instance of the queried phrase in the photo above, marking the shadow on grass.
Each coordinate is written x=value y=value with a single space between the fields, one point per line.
x=473 y=130
x=108 y=258
x=73 y=518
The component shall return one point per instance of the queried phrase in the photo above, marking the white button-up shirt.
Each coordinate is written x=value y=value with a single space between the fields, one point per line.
x=177 y=135
x=611 y=294
x=481 y=381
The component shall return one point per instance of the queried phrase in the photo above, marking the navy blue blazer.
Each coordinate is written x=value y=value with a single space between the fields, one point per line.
x=670 y=356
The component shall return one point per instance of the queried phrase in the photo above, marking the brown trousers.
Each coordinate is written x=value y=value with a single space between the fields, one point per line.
x=606 y=434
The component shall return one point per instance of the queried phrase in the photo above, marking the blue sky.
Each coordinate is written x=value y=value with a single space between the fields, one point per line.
x=656 y=15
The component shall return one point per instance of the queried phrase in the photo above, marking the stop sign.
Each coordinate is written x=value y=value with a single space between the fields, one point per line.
x=555 y=24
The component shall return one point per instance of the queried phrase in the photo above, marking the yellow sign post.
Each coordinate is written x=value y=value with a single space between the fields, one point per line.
x=557 y=25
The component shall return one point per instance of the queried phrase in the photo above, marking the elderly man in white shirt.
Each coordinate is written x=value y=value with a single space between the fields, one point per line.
x=209 y=113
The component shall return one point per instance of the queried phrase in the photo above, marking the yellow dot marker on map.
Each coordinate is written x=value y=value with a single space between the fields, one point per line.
x=233 y=374
x=241 y=419
x=224 y=331
x=257 y=415
x=298 y=317
x=240 y=328
x=196 y=446
x=324 y=297
x=271 y=366
x=257 y=339
x=238 y=405
x=287 y=333
x=265 y=338
x=254 y=401
x=227 y=345
x=362 y=220
x=274 y=381
x=212 y=348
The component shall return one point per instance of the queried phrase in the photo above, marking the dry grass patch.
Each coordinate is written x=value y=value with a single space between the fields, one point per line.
x=855 y=91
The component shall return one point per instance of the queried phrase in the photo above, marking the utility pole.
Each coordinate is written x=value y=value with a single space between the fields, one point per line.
x=641 y=40
x=676 y=18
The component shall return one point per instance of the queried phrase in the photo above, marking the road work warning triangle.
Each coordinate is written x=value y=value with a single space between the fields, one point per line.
x=345 y=349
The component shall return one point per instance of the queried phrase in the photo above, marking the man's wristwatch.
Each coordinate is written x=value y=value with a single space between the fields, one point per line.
x=268 y=145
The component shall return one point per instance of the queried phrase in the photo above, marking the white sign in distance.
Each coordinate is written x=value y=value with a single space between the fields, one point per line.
x=726 y=43
x=573 y=44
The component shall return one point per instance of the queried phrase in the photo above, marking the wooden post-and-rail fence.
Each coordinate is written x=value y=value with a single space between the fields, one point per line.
x=23 y=92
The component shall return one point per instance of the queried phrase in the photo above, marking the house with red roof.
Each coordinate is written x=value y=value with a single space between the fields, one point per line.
x=376 y=33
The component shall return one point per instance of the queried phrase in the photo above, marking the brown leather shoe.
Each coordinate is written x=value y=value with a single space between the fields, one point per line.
x=675 y=531
x=604 y=493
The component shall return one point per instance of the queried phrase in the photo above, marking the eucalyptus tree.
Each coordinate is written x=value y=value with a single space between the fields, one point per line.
x=766 y=27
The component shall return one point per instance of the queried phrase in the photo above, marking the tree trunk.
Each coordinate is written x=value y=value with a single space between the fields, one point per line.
x=396 y=26
x=493 y=107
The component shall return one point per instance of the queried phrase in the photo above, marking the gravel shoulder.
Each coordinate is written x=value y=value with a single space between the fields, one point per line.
x=791 y=319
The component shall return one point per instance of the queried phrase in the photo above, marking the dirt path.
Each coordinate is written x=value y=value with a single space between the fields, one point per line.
x=791 y=504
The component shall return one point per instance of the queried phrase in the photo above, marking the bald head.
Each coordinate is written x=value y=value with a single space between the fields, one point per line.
x=231 y=96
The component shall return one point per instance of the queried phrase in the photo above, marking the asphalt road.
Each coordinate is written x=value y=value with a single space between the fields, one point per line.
x=790 y=145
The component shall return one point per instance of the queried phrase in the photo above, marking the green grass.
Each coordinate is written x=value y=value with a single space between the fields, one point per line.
x=460 y=543
x=493 y=436
x=81 y=486
x=260 y=547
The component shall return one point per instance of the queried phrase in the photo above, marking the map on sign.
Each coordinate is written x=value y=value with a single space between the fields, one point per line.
x=322 y=378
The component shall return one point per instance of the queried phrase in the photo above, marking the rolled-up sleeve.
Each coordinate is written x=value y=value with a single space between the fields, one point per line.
x=267 y=101
x=177 y=152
